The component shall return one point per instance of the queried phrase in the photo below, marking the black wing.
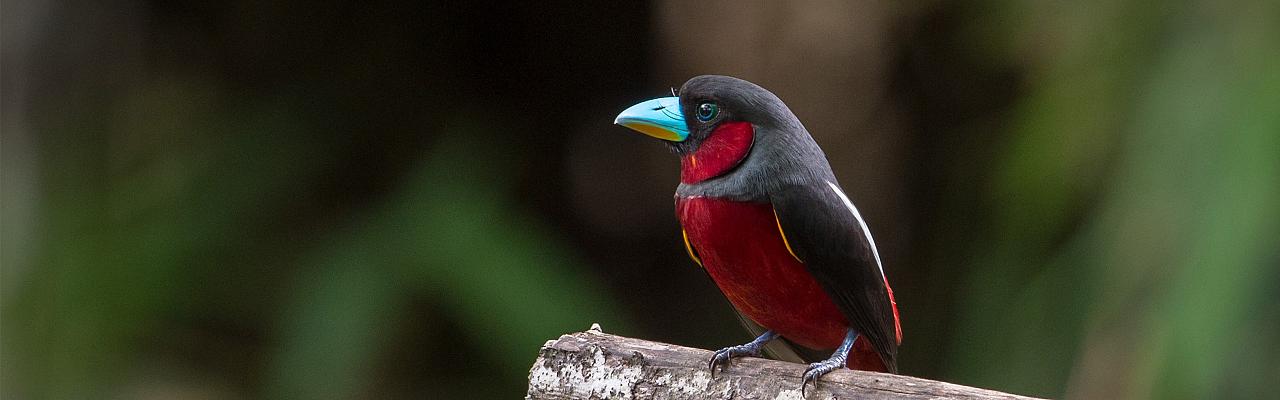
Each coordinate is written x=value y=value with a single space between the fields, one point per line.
x=824 y=231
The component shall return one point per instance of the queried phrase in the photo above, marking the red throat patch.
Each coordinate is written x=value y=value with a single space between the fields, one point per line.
x=720 y=152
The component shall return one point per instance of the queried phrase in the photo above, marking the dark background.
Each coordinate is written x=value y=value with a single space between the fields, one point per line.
x=245 y=199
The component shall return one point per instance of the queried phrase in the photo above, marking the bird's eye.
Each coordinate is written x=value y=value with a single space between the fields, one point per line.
x=707 y=111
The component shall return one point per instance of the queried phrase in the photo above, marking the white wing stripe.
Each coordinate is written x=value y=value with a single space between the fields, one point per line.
x=865 y=231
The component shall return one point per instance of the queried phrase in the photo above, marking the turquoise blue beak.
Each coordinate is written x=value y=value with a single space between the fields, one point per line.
x=660 y=118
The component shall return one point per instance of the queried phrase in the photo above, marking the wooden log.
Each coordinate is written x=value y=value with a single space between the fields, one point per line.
x=596 y=365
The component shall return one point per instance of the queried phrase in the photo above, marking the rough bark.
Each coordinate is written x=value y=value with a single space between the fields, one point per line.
x=596 y=365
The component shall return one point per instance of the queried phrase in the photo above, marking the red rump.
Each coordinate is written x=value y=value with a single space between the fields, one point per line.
x=718 y=153
x=742 y=249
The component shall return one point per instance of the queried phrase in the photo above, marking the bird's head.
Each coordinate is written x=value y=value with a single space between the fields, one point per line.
x=712 y=124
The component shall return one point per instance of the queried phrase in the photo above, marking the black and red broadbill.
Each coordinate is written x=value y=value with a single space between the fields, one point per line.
x=763 y=214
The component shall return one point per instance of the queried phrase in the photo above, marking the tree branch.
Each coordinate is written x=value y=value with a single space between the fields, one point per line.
x=595 y=365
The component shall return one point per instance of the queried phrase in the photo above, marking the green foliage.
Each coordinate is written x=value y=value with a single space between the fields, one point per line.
x=127 y=251
x=179 y=234
x=1166 y=117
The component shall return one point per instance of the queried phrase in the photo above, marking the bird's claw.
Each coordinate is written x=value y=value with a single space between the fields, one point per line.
x=817 y=370
x=837 y=361
x=753 y=349
x=722 y=356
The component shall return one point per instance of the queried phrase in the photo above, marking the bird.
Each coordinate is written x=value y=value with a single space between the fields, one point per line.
x=762 y=213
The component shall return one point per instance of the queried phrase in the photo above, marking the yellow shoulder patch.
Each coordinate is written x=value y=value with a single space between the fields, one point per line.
x=784 y=237
x=689 y=248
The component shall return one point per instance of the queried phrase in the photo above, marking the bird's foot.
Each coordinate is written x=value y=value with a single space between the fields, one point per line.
x=752 y=349
x=723 y=356
x=818 y=369
x=837 y=361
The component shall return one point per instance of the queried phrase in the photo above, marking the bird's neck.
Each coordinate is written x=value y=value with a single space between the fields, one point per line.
x=720 y=152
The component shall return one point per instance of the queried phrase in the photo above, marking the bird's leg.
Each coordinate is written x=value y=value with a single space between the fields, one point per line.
x=753 y=349
x=837 y=361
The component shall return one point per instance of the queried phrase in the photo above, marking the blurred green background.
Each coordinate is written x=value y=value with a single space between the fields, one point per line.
x=402 y=199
